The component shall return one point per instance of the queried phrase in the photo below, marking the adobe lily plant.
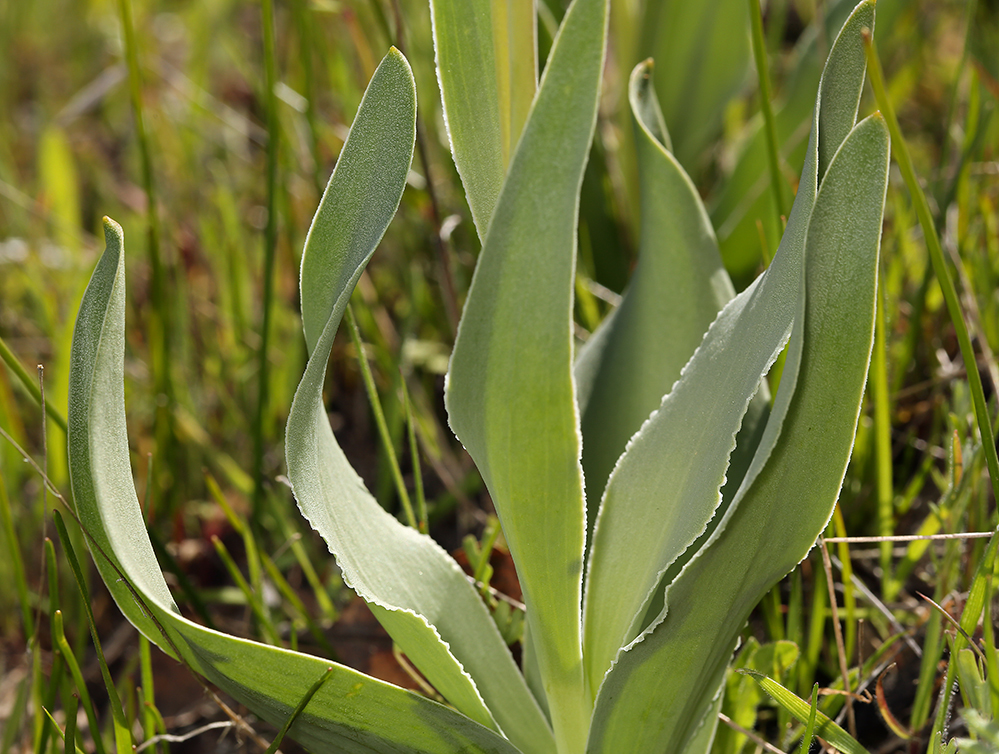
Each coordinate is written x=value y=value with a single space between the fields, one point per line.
x=649 y=493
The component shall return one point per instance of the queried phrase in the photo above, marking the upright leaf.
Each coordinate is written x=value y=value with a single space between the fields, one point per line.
x=413 y=586
x=788 y=496
x=514 y=407
x=487 y=69
x=675 y=292
x=665 y=490
x=351 y=712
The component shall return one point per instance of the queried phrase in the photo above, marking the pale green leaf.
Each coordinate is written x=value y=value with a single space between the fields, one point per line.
x=665 y=489
x=675 y=292
x=415 y=589
x=510 y=392
x=351 y=712
x=361 y=197
x=669 y=674
x=986 y=730
x=487 y=69
x=702 y=742
x=974 y=688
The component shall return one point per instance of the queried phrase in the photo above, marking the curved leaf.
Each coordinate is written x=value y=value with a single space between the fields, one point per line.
x=788 y=497
x=652 y=334
x=665 y=490
x=487 y=69
x=513 y=407
x=415 y=589
x=351 y=712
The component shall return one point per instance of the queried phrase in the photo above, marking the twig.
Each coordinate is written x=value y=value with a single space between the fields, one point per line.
x=861 y=587
x=910 y=537
x=179 y=739
x=837 y=629
x=749 y=734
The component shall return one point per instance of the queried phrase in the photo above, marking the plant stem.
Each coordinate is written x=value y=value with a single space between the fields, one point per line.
x=414 y=452
x=769 y=123
x=882 y=435
x=270 y=252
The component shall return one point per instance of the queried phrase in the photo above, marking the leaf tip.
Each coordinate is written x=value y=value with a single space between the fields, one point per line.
x=111 y=228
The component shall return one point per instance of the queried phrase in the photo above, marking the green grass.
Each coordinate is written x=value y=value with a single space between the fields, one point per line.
x=206 y=186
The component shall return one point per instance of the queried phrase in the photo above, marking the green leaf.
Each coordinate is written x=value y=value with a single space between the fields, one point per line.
x=802 y=711
x=985 y=729
x=788 y=495
x=487 y=68
x=513 y=407
x=361 y=197
x=415 y=589
x=351 y=712
x=665 y=489
x=633 y=359
x=974 y=688
x=702 y=742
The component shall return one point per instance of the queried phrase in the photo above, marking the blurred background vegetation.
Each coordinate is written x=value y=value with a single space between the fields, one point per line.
x=215 y=192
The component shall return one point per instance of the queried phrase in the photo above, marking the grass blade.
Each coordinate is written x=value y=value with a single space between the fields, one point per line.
x=29 y=384
x=123 y=739
x=299 y=708
x=383 y=430
x=270 y=252
x=803 y=712
x=59 y=640
x=777 y=183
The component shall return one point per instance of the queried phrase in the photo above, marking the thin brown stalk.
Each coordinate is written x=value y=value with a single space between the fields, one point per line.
x=911 y=537
x=840 y=647
x=748 y=734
